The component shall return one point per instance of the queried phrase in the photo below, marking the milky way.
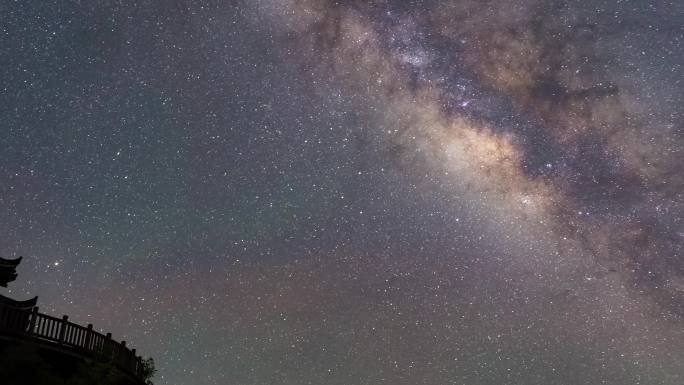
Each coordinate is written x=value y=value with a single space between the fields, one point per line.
x=351 y=192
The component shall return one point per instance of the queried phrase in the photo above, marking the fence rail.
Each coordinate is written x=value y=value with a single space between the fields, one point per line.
x=31 y=323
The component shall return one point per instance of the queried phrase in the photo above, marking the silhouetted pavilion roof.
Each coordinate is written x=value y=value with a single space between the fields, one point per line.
x=8 y=271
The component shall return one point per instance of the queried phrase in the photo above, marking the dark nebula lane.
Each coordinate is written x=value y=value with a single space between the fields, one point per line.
x=354 y=192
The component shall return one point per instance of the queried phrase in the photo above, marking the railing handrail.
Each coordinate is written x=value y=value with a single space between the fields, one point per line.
x=46 y=315
x=64 y=332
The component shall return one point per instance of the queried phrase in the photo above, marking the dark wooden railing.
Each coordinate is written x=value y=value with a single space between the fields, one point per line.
x=60 y=331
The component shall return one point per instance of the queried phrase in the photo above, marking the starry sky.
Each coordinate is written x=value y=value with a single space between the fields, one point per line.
x=330 y=192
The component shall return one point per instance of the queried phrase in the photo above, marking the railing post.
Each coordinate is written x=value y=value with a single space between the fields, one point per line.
x=108 y=347
x=88 y=336
x=121 y=354
x=32 y=323
x=62 y=331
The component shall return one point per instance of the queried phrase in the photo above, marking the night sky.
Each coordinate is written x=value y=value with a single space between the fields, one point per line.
x=465 y=192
